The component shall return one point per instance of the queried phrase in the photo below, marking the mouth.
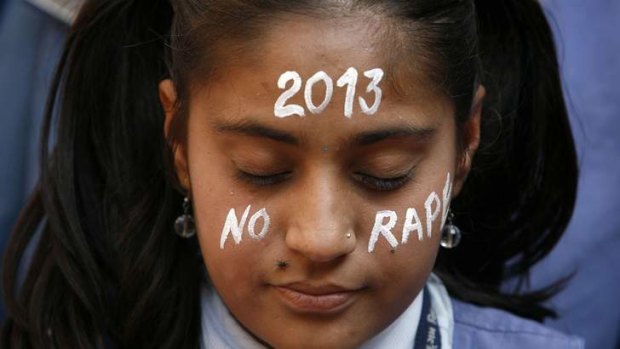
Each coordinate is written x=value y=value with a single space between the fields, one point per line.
x=316 y=299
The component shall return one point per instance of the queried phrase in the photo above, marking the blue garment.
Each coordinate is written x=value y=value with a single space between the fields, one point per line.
x=587 y=35
x=31 y=42
x=1 y=8
x=487 y=328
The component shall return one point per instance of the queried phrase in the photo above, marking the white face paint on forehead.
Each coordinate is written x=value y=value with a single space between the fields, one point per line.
x=349 y=80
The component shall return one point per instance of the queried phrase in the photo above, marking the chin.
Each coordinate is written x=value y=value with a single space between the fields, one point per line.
x=316 y=341
x=330 y=337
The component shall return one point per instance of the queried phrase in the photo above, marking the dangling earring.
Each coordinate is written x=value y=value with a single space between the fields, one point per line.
x=450 y=234
x=184 y=225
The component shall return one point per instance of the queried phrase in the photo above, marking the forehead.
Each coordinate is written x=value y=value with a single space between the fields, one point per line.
x=312 y=43
x=245 y=84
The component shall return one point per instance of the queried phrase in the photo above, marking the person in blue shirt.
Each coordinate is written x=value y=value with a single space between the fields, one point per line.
x=31 y=42
x=312 y=157
x=589 y=50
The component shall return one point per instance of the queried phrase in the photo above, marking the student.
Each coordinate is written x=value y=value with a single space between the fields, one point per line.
x=311 y=157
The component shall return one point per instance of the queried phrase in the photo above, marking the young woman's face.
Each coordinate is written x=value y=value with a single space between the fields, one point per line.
x=308 y=279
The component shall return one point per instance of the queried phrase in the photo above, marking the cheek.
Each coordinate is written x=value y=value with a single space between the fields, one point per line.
x=409 y=224
x=237 y=267
x=413 y=216
x=420 y=214
x=215 y=195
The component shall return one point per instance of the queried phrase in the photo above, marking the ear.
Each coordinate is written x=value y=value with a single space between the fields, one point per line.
x=472 y=140
x=168 y=99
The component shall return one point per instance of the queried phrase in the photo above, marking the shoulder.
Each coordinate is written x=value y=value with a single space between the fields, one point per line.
x=480 y=327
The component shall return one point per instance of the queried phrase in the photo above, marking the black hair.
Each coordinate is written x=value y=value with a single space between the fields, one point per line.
x=108 y=270
x=521 y=191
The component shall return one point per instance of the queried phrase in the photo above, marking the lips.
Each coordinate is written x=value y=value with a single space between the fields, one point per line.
x=317 y=299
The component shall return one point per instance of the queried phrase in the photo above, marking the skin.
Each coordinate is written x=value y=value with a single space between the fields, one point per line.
x=323 y=196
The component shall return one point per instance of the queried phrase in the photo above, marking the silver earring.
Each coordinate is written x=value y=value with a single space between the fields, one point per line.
x=184 y=225
x=450 y=234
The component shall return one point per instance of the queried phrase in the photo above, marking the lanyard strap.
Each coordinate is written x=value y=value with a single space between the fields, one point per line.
x=427 y=336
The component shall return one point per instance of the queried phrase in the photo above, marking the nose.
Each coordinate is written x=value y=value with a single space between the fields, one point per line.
x=322 y=228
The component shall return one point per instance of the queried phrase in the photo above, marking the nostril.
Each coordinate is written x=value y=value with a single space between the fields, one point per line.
x=321 y=246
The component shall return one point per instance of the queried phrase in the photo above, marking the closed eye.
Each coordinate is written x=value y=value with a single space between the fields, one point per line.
x=369 y=181
x=263 y=179
x=383 y=184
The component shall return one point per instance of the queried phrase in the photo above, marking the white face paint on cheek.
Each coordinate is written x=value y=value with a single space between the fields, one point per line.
x=447 y=196
x=265 y=229
x=412 y=222
x=431 y=213
x=383 y=229
x=433 y=206
x=235 y=227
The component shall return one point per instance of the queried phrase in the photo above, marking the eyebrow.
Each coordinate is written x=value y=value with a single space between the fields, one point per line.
x=370 y=137
x=254 y=129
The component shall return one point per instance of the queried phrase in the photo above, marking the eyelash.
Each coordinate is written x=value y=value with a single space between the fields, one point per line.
x=372 y=182
x=383 y=184
x=263 y=180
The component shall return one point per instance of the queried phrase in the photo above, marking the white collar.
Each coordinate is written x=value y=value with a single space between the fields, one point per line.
x=221 y=330
x=401 y=333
